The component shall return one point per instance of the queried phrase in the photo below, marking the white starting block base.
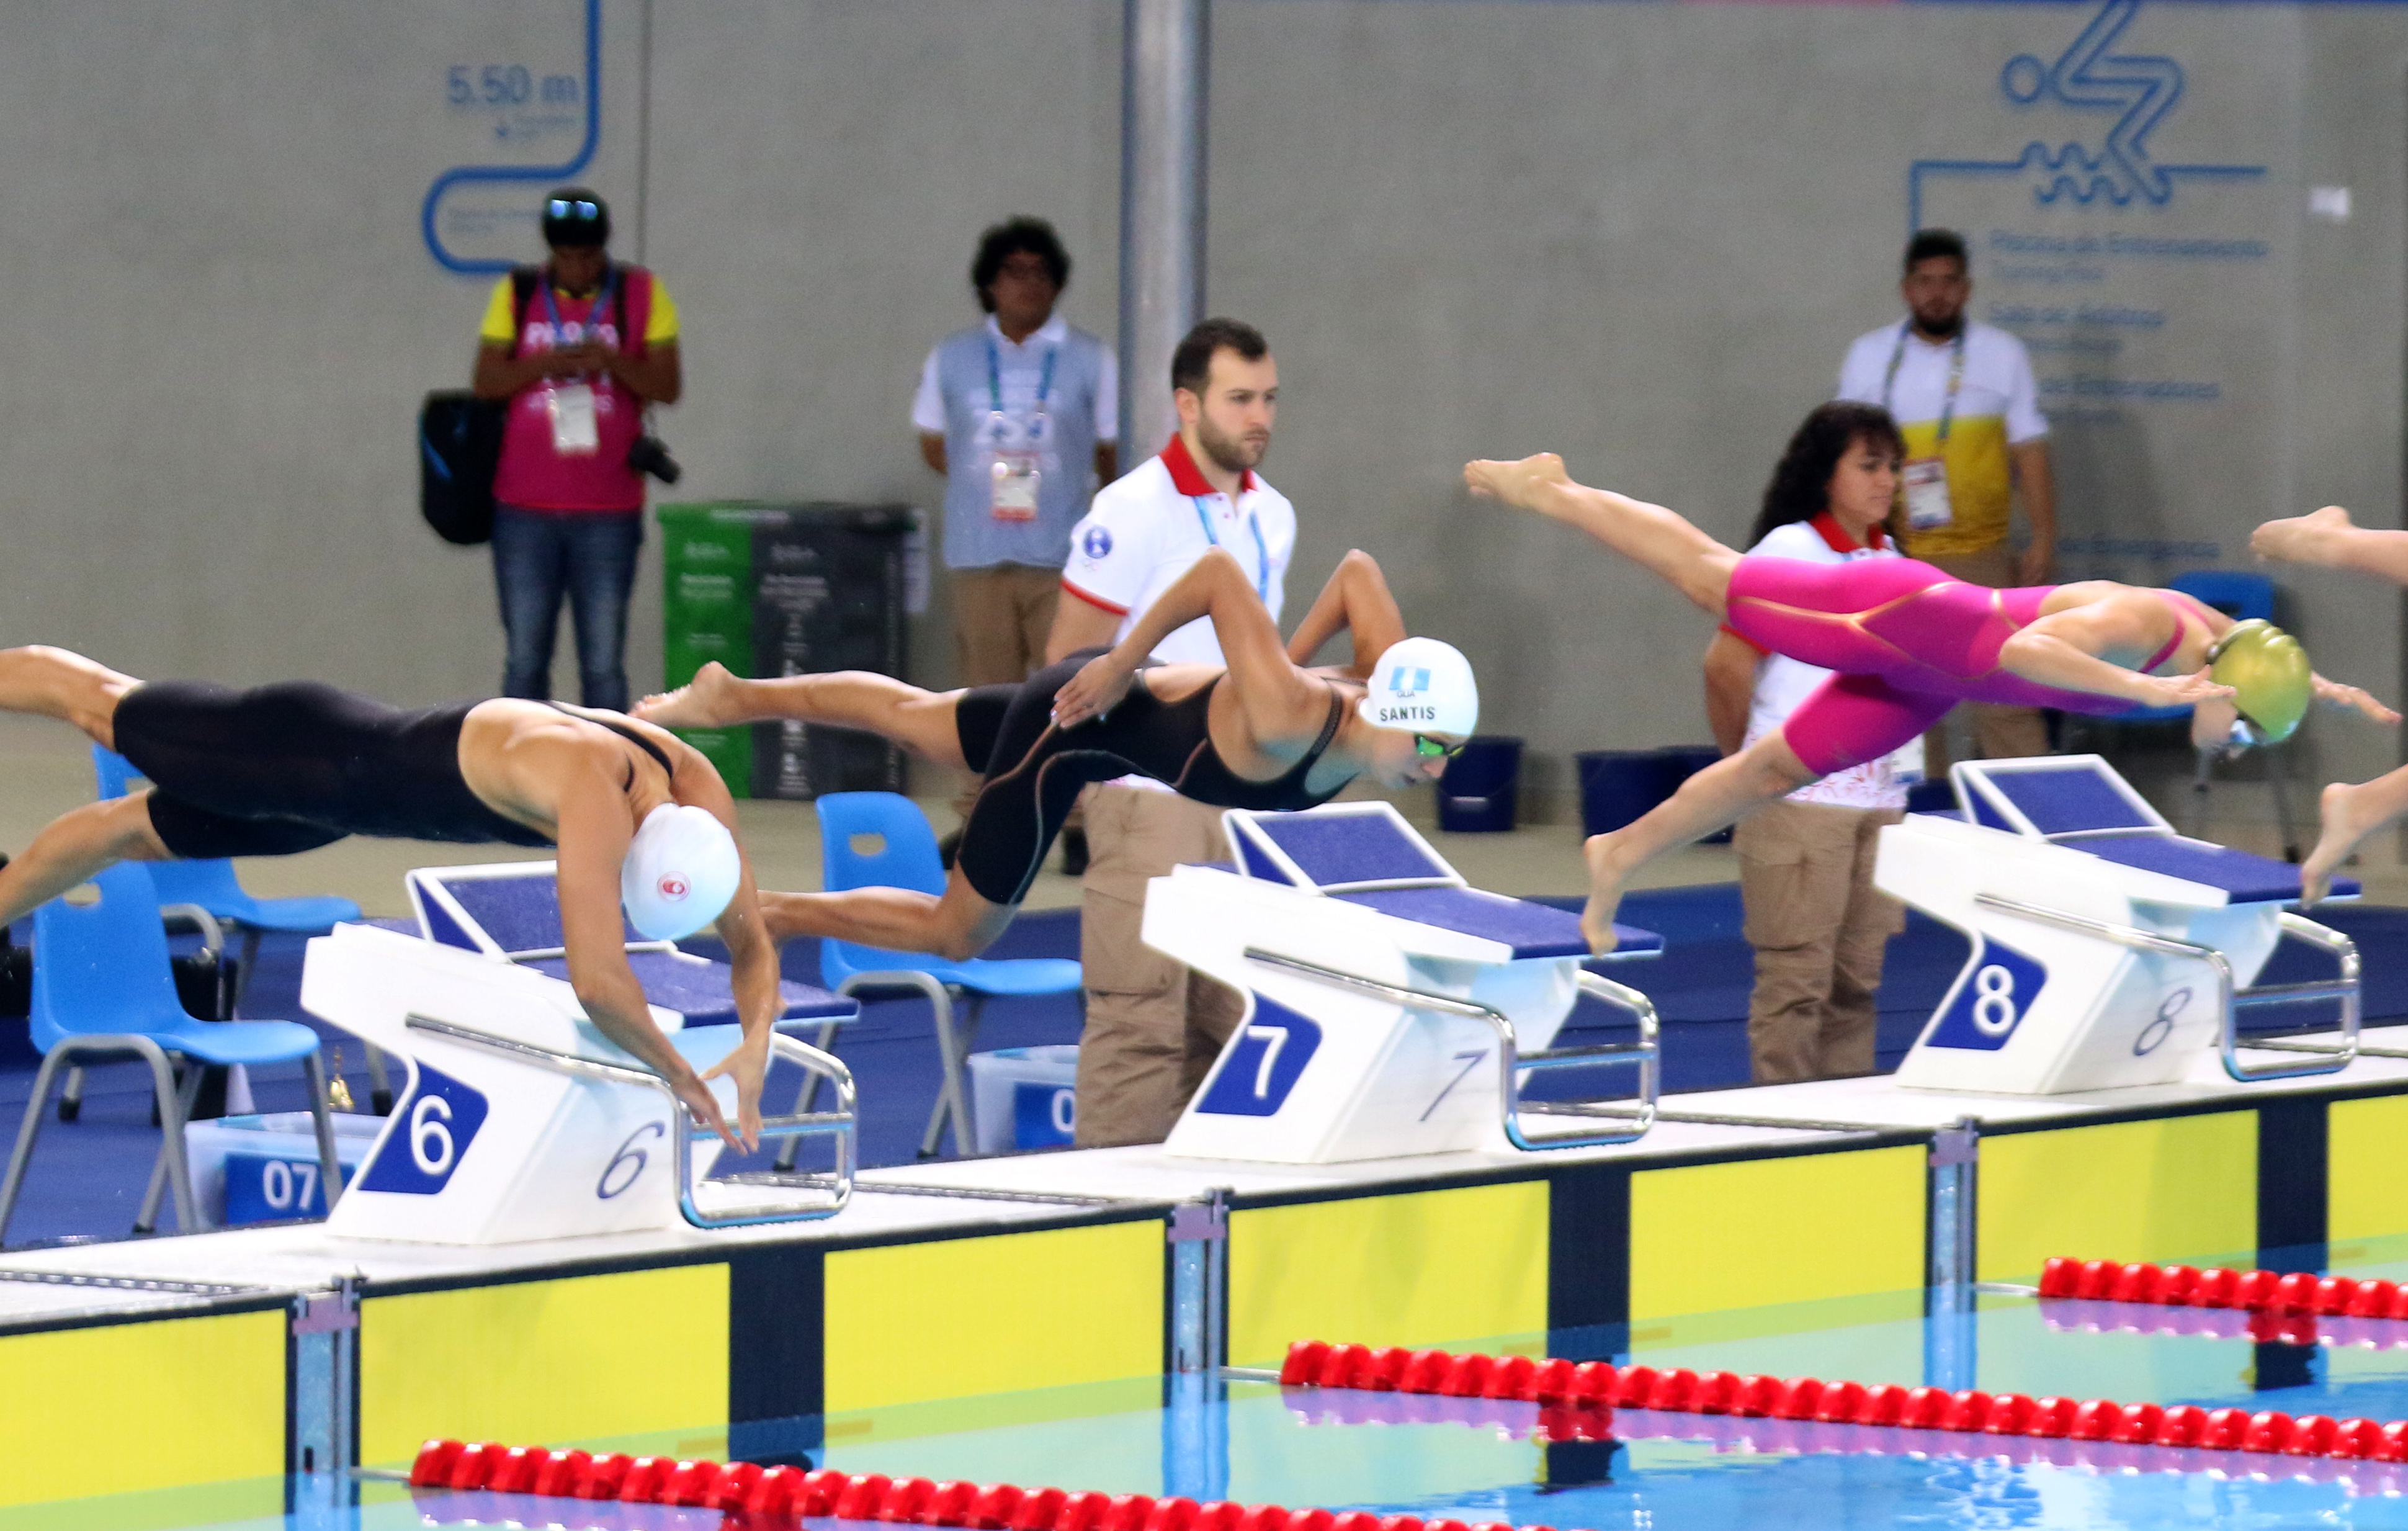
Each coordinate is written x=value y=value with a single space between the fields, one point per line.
x=488 y=1147
x=1391 y=1009
x=2107 y=950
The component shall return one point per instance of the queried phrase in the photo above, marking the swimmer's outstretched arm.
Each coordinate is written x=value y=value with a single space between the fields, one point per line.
x=2326 y=538
x=2062 y=650
x=594 y=835
x=1356 y=600
x=1695 y=564
x=1275 y=698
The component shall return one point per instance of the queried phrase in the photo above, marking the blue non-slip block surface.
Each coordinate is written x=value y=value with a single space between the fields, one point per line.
x=1532 y=930
x=2068 y=799
x=1349 y=848
x=2244 y=877
x=701 y=992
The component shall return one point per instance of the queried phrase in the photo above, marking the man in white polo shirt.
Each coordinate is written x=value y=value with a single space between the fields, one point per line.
x=1152 y=1027
x=1963 y=395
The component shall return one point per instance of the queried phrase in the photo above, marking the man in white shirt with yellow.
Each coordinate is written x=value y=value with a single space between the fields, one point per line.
x=1964 y=396
x=1152 y=1027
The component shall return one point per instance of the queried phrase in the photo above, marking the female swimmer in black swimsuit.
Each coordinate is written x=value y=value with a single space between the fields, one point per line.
x=276 y=770
x=1266 y=733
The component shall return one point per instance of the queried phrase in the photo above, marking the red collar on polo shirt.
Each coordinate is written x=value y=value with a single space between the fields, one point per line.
x=1837 y=541
x=1184 y=477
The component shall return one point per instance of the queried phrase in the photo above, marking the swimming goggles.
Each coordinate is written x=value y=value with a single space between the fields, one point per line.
x=573 y=208
x=1436 y=749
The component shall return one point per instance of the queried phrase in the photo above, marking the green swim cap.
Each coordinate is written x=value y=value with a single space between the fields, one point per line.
x=2269 y=672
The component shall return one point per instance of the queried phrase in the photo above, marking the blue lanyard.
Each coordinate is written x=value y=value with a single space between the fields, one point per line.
x=1956 y=373
x=1262 y=549
x=995 y=378
x=591 y=323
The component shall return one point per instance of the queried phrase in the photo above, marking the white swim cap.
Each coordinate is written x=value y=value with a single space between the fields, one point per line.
x=1426 y=686
x=681 y=871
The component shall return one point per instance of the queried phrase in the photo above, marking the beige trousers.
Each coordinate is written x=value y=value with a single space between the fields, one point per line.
x=1153 y=1026
x=1002 y=617
x=1820 y=929
x=1999 y=734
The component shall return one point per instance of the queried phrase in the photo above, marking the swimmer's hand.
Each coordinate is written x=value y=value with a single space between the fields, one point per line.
x=749 y=1066
x=2299 y=539
x=1094 y=691
x=2179 y=690
x=1522 y=484
x=703 y=1107
x=2350 y=698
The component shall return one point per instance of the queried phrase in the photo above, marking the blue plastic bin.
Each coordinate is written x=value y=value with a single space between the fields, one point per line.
x=1476 y=794
x=1618 y=786
x=1683 y=761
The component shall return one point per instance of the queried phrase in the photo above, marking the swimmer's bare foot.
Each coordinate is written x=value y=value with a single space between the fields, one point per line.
x=2300 y=538
x=2350 y=814
x=1524 y=483
x=1605 y=874
x=713 y=698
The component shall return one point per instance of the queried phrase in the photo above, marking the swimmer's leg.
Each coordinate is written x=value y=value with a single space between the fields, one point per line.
x=2351 y=813
x=76 y=845
x=920 y=721
x=1723 y=793
x=56 y=683
x=1693 y=563
x=957 y=927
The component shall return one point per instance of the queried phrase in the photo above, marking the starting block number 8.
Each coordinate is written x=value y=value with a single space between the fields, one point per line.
x=1994 y=1000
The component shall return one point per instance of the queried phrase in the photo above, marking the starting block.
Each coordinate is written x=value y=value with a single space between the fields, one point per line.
x=510 y=912
x=519 y=1120
x=1390 y=1009
x=2107 y=950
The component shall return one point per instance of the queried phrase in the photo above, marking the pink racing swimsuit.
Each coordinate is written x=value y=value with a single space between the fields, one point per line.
x=1909 y=642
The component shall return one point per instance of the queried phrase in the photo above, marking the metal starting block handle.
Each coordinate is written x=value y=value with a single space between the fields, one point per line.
x=1511 y=1060
x=2230 y=1002
x=840 y=1123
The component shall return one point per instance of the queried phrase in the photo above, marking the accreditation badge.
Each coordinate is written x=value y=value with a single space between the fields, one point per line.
x=1927 y=493
x=1016 y=474
x=575 y=432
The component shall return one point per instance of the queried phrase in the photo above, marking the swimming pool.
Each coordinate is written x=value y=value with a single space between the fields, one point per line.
x=1483 y=1461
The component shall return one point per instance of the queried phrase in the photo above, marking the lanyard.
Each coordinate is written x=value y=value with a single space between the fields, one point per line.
x=1956 y=374
x=591 y=323
x=995 y=379
x=1262 y=549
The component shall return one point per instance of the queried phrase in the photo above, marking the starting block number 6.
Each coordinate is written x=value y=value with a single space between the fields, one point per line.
x=430 y=1138
x=1994 y=1000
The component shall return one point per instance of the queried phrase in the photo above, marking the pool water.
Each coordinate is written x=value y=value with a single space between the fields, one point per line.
x=1480 y=1461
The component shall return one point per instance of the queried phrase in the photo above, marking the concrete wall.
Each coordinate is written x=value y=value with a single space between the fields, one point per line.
x=1641 y=236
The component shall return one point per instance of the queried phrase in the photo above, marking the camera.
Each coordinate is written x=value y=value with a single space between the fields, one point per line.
x=650 y=454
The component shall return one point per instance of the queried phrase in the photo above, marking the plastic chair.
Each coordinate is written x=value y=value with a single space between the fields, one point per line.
x=103 y=989
x=2240 y=594
x=906 y=857
x=211 y=888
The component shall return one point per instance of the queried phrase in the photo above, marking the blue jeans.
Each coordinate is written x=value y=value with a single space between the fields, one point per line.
x=589 y=556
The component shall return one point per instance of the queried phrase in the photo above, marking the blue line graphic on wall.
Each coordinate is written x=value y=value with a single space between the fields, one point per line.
x=468 y=175
x=2138 y=89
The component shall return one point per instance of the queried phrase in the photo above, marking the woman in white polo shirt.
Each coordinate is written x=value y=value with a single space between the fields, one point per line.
x=1819 y=925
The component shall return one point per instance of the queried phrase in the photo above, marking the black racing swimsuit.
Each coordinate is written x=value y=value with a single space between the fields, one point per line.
x=276 y=770
x=1035 y=770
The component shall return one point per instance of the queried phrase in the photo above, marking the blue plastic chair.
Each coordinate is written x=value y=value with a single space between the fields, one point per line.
x=906 y=856
x=104 y=990
x=211 y=888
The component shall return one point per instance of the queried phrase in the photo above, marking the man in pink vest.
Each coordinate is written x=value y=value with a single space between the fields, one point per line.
x=579 y=347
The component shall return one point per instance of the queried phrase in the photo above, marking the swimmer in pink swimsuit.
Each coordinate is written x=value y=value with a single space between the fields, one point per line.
x=1909 y=642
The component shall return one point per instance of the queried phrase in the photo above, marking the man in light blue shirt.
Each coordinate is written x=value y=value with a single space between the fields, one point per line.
x=1020 y=415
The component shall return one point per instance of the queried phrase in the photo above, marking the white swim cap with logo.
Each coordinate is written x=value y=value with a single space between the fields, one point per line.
x=681 y=871
x=1425 y=687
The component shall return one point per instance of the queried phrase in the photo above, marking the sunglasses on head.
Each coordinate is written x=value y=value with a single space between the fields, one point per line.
x=561 y=206
x=1435 y=749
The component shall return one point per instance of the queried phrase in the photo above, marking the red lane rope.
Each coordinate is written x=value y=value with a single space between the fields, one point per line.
x=2301 y=1292
x=792 y=1493
x=1597 y=1386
